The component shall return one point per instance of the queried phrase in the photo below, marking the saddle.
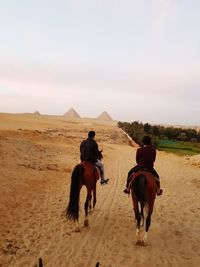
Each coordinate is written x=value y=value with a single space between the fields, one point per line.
x=138 y=173
x=90 y=167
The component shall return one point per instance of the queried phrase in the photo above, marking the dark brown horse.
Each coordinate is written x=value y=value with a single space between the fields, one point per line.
x=86 y=174
x=143 y=190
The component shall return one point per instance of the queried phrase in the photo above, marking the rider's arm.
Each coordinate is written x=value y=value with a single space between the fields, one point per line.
x=138 y=156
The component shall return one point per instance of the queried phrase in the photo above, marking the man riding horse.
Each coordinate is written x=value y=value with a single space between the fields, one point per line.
x=90 y=152
x=145 y=158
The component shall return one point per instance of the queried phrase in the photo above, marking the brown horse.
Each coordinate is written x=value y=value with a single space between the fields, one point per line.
x=143 y=190
x=86 y=174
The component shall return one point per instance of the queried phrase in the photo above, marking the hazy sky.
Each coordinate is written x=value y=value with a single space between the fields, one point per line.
x=136 y=59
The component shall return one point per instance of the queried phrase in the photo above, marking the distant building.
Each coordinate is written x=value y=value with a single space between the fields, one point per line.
x=71 y=114
x=36 y=113
x=104 y=117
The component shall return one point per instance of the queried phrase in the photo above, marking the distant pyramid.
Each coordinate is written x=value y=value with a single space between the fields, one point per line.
x=71 y=114
x=105 y=117
x=36 y=113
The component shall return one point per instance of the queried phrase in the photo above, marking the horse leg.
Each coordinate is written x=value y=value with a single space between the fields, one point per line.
x=88 y=200
x=89 y=205
x=94 y=196
x=86 y=221
x=77 y=228
x=138 y=219
x=142 y=213
x=148 y=223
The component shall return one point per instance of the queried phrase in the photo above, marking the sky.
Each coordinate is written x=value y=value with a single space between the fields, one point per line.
x=139 y=60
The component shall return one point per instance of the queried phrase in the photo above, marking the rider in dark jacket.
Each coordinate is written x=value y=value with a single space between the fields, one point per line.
x=145 y=158
x=90 y=152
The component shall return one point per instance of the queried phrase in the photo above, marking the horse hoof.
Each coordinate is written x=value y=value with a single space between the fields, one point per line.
x=77 y=229
x=138 y=243
x=86 y=223
x=141 y=243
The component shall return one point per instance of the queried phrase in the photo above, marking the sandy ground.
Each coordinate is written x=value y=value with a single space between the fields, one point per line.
x=37 y=155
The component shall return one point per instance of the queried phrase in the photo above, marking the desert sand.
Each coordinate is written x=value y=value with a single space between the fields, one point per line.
x=37 y=156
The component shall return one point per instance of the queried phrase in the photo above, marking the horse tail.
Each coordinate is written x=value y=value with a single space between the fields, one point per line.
x=139 y=188
x=76 y=182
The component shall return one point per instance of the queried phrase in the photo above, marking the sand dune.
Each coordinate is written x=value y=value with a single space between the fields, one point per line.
x=37 y=155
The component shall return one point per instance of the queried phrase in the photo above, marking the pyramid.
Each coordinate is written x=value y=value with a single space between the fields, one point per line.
x=36 y=113
x=71 y=114
x=104 y=116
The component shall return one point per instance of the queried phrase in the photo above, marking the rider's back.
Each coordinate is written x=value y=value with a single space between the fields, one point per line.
x=89 y=150
x=146 y=156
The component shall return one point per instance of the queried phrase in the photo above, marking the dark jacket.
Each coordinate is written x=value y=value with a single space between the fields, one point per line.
x=146 y=156
x=89 y=150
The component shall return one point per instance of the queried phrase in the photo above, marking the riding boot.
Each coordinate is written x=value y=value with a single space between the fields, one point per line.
x=104 y=181
x=127 y=189
x=159 y=190
x=130 y=173
x=129 y=181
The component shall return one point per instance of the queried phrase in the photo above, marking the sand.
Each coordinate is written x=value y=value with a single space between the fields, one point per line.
x=37 y=155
